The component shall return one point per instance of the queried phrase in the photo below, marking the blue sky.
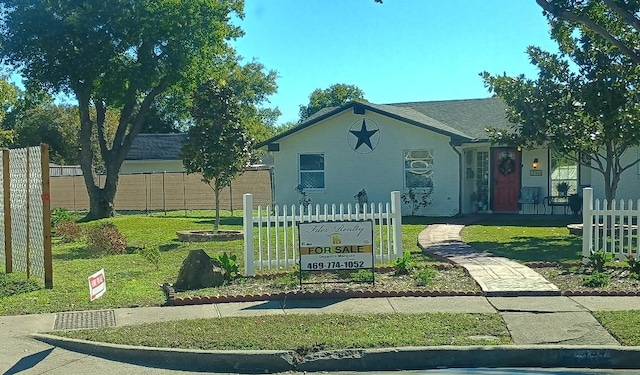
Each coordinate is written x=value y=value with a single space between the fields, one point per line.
x=398 y=51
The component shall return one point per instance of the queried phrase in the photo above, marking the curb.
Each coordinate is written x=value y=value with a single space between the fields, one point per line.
x=405 y=358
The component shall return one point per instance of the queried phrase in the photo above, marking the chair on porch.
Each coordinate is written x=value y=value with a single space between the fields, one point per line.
x=529 y=195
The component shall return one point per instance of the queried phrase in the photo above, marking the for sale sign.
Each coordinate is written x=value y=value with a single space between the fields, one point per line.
x=336 y=245
x=97 y=285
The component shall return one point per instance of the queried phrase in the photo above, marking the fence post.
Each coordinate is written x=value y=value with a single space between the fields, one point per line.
x=46 y=216
x=8 y=241
x=247 y=223
x=587 y=223
x=396 y=224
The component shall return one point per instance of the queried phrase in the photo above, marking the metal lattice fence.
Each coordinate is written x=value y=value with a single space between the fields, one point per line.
x=26 y=212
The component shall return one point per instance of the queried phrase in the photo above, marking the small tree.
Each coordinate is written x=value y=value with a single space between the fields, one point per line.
x=217 y=145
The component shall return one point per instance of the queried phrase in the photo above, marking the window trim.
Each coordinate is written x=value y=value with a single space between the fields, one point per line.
x=323 y=171
x=429 y=168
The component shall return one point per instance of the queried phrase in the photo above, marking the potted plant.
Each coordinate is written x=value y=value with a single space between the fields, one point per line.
x=562 y=188
x=575 y=203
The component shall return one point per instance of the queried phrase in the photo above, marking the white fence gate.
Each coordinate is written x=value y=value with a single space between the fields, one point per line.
x=270 y=237
x=609 y=226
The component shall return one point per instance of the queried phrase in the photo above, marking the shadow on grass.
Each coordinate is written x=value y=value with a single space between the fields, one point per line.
x=169 y=246
x=527 y=220
x=535 y=249
x=235 y=220
x=12 y=284
x=81 y=252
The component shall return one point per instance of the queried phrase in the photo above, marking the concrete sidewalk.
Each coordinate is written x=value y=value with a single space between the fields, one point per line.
x=547 y=332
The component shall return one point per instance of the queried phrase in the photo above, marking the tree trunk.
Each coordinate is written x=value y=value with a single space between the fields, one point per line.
x=216 y=224
x=101 y=199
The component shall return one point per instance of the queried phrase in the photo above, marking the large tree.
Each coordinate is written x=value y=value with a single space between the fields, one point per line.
x=589 y=111
x=8 y=97
x=218 y=145
x=334 y=96
x=616 y=21
x=119 y=54
x=55 y=125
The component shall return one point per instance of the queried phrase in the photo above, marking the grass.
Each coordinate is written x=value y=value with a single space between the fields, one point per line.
x=306 y=333
x=131 y=279
x=623 y=325
x=134 y=281
x=545 y=240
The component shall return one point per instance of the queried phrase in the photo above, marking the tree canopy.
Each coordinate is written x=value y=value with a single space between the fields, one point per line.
x=615 y=21
x=336 y=95
x=120 y=54
x=589 y=112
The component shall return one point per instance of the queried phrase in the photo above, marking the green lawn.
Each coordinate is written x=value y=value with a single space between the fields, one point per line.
x=527 y=240
x=305 y=333
x=131 y=279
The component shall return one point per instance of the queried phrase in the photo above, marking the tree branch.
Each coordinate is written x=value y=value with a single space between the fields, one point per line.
x=565 y=14
x=627 y=16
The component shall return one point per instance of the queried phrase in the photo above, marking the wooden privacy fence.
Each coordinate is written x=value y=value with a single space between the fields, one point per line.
x=270 y=237
x=26 y=220
x=164 y=191
x=609 y=226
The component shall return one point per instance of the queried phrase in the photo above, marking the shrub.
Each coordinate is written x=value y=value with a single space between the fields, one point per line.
x=68 y=231
x=404 y=265
x=61 y=215
x=104 y=238
x=597 y=279
x=229 y=265
x=634 y=264
x=363 y=276
x=425 y=276
x=597 y=259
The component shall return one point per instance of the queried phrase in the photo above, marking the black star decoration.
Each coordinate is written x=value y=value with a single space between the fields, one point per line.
x=364 y=135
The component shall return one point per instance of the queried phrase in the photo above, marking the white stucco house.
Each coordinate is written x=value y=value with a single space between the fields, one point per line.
x=439 y=145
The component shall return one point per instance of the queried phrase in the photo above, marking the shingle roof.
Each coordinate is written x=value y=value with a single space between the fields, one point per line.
x=157 y=147
x=462 y=120
x=470 y=116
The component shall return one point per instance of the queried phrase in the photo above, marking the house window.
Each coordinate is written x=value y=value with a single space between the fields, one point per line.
x=311 y=171
x=482 y=180
x=418 y=169
x=564 y=175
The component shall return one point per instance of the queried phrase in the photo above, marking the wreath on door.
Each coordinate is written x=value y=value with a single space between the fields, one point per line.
x=506 y=166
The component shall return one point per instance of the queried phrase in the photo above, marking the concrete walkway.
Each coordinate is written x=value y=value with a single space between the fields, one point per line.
x=548 y=330
x=497 y=276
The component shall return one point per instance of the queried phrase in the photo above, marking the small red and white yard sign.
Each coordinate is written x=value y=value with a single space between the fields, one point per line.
x=97 y=284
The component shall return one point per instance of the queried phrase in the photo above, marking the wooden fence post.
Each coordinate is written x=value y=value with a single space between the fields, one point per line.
x=46 y=216
x=6 y=176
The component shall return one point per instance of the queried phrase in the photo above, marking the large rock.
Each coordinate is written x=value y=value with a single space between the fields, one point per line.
x=198 y=271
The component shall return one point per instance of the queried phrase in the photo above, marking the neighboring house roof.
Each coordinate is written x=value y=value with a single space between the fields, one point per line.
x=157 y=147
x=462 y=120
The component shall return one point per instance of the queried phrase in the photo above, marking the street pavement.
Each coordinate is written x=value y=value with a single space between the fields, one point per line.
x=548 y=330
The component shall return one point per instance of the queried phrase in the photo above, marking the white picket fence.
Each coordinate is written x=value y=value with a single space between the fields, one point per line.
x=271 y=238
x=609 y=226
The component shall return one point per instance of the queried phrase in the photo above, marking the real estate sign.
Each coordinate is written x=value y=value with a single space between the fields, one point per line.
x=336 y=245
x=97 y=285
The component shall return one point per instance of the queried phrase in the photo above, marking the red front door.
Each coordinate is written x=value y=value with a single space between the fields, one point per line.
x=505 y=169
